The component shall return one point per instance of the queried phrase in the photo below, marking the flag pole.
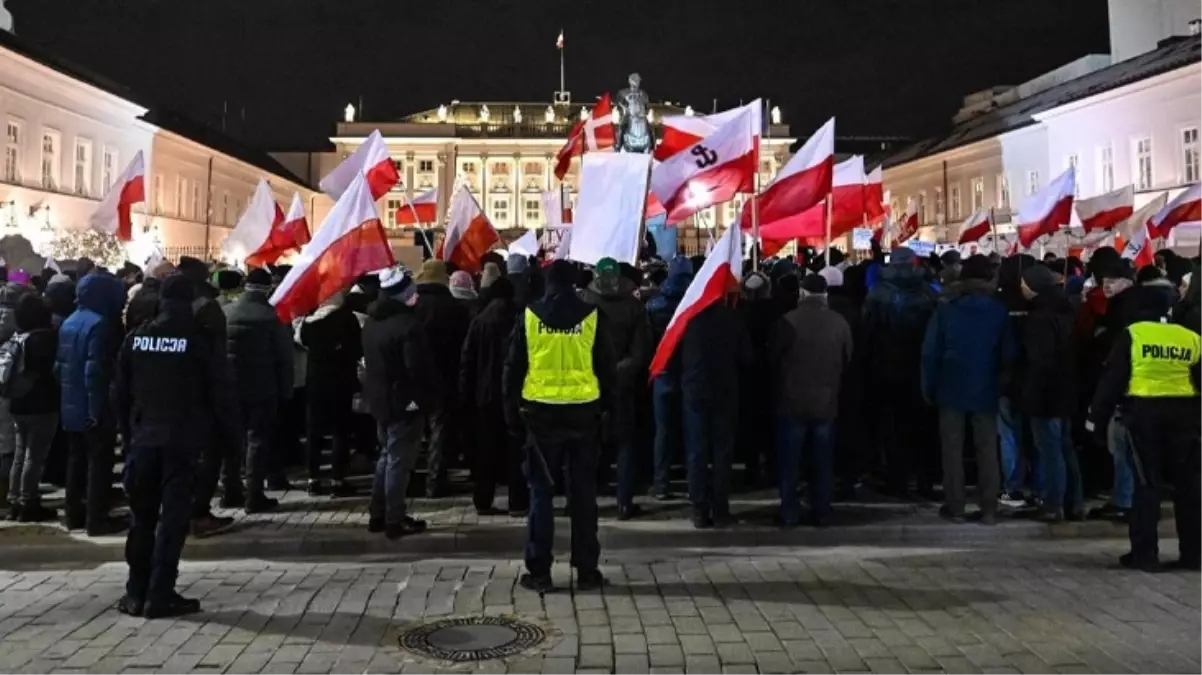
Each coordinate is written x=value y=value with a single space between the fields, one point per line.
x=756 y=246
x=417 y=221
x=827 y=251
x=993 y=228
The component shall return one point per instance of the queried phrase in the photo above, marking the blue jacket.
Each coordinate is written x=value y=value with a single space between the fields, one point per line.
x=969 y=344
x=661 y=308
x=88 y=342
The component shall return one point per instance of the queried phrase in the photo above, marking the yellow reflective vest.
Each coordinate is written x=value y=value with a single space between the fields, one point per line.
x=1162 y=355
x=560 y=362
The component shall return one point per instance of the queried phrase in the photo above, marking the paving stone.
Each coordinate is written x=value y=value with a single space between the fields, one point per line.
x=734 y=652
x=596 y=656
x=631 y=663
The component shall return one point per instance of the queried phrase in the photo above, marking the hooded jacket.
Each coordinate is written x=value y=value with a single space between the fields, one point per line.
x=88 y=342
x=400 y=375
x=334 y=340
x=259 y=348
x=968 y=347
x=628 y=327
x=895 y=317
x=1047 y=369
x=10 y=295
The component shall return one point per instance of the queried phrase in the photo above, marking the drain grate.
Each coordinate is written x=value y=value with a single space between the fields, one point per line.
x=478 y=638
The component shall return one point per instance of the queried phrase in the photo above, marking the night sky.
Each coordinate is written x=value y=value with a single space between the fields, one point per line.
x=881 y=66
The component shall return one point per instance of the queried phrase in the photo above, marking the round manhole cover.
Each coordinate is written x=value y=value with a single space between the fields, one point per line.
x=477 y=638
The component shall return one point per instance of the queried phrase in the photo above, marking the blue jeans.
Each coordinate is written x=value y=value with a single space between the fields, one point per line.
x=1119 y=440
x=709 y=431
x=1010 y=433
x=399 y=444
x=795 y=439
x=1061 y=472
x=665 y=399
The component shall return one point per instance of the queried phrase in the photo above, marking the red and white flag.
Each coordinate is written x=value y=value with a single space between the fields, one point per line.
x=252 y=233
x=1048 y=210
x=804 y=181
x=847 y=208
x=289 y=233
x=1185 y=208
x=710 y=172
x=1126 y=230
x=421 y=209
x=908 y=225
x=469 y=233
x=681 y=131
x=112 y=215
x=370 y=160
x=555 y=214
x=874 y=196
x=595 y=132
x=1105 y=211
x=977 y=226
x=1139 y=249
x=719 y=275
x=351 y=242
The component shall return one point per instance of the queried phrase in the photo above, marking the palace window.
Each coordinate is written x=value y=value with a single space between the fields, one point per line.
x=1143 y=163
x=51 y=141
x=391 y=207
x=108 y=168
x=469 y=167
x=955 y=201
x=83 y=166
x=181 y=190
x=425 y=166
x=1189 y=154
x=532 y=168
x=500 y=210
x=978 y=193
x=1003 y=191
x=158 y=193
x=1106 y=167
x=939 y=204
x=12 y=153
x=534 y=207
x=196 y=214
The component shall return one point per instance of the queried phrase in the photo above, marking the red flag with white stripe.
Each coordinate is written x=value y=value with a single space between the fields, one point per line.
x=469 y=233
x=908 y=225
x=596 y=132
x=289 y=233
x=681 y=131
x=719 y=275
x=1185 y=208
x=1105 y=211
x=976 y=226
x=421 y=209
x=112 y=215
x=874 y=196
x=371 y=159
x=1139 y=249
x=804 y=181
x=351 y=242
x=711 y=171
x=252 y=232
x=1048 y=210
x=847 y=208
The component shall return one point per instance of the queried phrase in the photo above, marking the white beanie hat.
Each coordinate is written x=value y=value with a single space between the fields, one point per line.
x=833 y=276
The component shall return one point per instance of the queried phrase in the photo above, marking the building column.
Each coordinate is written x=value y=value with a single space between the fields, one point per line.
x=442 y=168
x=410 y=175
x=484 y=185
x=519 y=215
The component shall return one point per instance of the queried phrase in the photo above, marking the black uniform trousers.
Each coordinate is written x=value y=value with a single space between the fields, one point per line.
x=1166 y=436
x=159 y=482
x=497 y=458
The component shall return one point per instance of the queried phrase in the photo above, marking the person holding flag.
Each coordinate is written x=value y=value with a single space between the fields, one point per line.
x=559 y=381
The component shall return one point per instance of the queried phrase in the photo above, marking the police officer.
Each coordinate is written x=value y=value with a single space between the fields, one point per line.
x=1152 y=373
x=170 y=388
x=558 y=379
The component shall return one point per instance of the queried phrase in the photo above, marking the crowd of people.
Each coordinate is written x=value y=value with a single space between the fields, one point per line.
x=1039 y=381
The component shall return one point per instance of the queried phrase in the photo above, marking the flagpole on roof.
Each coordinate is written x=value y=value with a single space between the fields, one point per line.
x=559 y=44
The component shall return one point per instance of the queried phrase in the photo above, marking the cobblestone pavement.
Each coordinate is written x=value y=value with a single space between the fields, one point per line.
x=1031 y=606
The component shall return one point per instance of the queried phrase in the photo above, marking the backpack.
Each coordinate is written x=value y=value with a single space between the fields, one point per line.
x=15 y=382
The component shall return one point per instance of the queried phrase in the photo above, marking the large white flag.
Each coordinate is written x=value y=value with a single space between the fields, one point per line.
x=609 y=212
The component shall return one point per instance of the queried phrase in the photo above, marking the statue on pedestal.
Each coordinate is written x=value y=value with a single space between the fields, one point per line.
x=634 y=131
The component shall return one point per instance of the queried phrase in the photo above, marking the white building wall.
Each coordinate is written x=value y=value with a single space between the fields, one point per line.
x=1136 y=26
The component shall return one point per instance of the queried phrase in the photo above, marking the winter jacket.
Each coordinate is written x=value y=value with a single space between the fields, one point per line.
x=88 y=342
x=559 y=309
x=60 y=293
x=895 y=317
x=40 y=353
x=172 y=389
x=628 y=328
x=661 y=308
x=1047 y=371
x=10 y=294
x=969 y=346
x=259 y=349
x=334 y=342
x=1189 y=311
x=482 y=363
x=445 y=321
x=809 y=349
x=400 y=374
x=209 y=315
x=714 y=350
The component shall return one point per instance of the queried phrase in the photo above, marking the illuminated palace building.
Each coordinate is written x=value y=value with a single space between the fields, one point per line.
x=504 y=152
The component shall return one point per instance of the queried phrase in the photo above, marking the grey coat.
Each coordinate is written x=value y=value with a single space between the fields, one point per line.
x=808 y=350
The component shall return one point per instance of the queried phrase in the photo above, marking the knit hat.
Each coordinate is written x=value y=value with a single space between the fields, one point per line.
x=491 y=273
x=832 y=275
x=397 y=283
x=902 y=256
x=1039 y=279
x=462 y=286
x=433 y=272
x=561 y=272
x=177 y=287
x=950 y=257
x=517 y=264
x=258 y=280
x=813 y=284
x=228 y=280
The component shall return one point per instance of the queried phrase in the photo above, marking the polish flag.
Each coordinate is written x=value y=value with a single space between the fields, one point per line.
x=1126 y=230
x=874 y=196
x=1046 y=211
x=654 y=207
x=1105 y=211
x=847 y=208
x=469 y=234
x=719 y=275
x=290 y=232
x=252 y=233
x=370 y=159
x=1185 y=208
x=908 y=227
x=421 y=209
x=710 y=172
x=555 y=214
x=1139 y=249
x=596 y=132
x=112 y=214
x=977 y=226
x=804 y=181
x=681 y=131
x=351 y=242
